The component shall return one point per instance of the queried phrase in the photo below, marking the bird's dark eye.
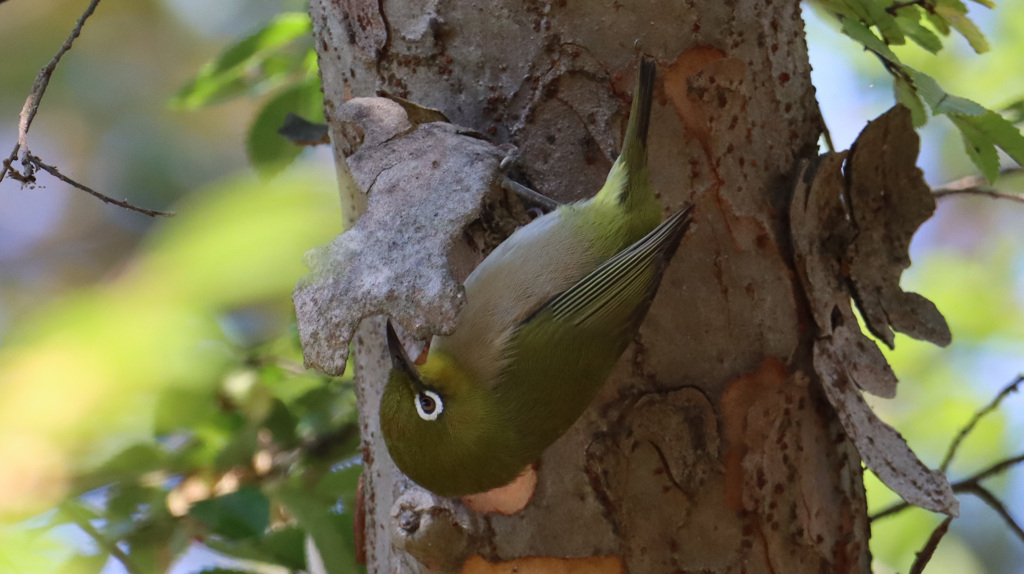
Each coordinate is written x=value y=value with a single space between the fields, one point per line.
x=428 y=405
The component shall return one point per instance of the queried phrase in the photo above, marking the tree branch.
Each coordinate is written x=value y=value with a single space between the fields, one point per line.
x=34 y=161
x=959 y=438
x=979 y=191
x=997 y=505
x=28 y=111
x=28 y=114
x=977 y=185
x=925 y=555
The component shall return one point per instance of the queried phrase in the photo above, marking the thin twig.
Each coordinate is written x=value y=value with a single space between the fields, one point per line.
x=993 y=470
x=978 y=185
x=997 y=505
x=975 y=180
x=28 y=111
x=925 y=555
x=108 y=546
x=959 y=438
x=979 y=191
x=534 y=196
x=35 y=161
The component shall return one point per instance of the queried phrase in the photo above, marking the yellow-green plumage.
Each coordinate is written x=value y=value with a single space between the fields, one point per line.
x=548 y=314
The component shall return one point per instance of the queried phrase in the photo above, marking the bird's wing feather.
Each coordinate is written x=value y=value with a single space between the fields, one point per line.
x=624 y=284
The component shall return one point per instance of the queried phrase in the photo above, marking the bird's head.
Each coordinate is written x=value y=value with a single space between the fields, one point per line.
x=436 y=422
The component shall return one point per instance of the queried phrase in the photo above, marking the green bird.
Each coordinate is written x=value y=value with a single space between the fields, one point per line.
x=548 y=314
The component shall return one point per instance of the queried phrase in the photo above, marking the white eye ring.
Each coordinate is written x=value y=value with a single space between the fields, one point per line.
x=428 y=404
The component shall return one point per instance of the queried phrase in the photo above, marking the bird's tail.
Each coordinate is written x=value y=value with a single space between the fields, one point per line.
x=628 y=182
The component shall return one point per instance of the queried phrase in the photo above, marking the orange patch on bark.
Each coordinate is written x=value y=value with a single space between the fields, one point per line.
x=737 y=400
x=539 y=565
x=508 y=499
x=677 y=74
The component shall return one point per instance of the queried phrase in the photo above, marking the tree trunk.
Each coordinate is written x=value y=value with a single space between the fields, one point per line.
x=712 y=447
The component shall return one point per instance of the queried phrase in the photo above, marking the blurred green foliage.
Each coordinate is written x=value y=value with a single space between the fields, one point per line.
x=137 y=403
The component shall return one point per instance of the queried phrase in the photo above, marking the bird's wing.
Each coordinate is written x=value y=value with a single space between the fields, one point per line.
x=621 y=289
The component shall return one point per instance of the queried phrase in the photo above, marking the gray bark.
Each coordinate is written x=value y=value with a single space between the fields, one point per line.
x=712 y=448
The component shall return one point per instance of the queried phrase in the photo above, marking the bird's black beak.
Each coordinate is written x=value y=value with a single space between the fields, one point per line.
x=399 y=359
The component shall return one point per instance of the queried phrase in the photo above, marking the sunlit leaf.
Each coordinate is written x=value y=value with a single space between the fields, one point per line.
x=938 y=22
x=938 y=100
x=906 y=95
x=862 y=34
x=921 y=35
x=870 y=13
x=982 y=134
x=225 y=76
x=955 y=13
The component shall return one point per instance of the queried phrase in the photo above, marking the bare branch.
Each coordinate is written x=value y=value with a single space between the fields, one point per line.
x=979 y=191
x=977 y=180
x=36 y=162
x=978 y=185
x=993 y=470
x=997 y=505
x=959 y=438
x=925 y=555
x=28 y=111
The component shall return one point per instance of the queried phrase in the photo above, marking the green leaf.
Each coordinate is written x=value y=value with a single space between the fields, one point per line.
x=938 y=100
x=982 y=134
x=938 y=22
x=242 y=514
x=906 y=95
x=955 y=13
x=219 y=570
x=862 y=34
x=872 y=13
x=284 y=547
x=919 y=34
x=270 y=152
x=224 y=77
x=331 y=533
